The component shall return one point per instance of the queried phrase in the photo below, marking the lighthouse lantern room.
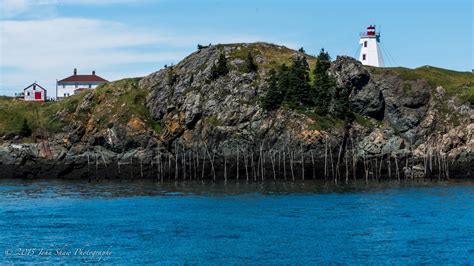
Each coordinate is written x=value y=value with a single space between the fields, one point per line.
x=370 y=53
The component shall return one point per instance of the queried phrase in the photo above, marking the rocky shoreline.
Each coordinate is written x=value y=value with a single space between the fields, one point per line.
x=217 y=130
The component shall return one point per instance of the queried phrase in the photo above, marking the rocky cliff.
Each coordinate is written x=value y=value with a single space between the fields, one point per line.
x=179 y=124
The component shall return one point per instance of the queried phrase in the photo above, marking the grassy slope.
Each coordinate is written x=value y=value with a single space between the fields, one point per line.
x=279 y=54
x=38 y=115
x=460 y=84
x=117 y=101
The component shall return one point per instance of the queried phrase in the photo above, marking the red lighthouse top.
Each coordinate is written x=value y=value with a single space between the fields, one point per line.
x=371 y=30
x=370 y=33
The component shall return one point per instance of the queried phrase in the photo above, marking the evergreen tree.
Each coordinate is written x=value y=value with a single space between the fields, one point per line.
x=301 y=50
x=323 y=83
x=274 y=97
x=25 y=130
x=172 y=77
x=251 y=66
x=340 y=106
x=220 y=69
x=298 y=88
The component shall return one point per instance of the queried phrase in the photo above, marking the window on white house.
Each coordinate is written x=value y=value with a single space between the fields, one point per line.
x=64 y=86
x=28 y=94
x=364 y=57
x=365 y=44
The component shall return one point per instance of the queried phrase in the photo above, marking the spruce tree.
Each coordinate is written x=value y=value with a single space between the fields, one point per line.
x=323 y=83
x=25 y=130
x=274 y=97
x=340 y=106
x=220 y=69
x=298 y=90
x=251 y=66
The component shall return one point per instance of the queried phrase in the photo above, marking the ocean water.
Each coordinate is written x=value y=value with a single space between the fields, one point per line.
x=145 y=222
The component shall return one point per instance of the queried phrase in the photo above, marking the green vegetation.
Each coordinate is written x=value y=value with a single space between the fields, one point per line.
x=323 y=122
x=25 y=130
x=171 y=76
x=200 y=47
x=366 y=121
x=323 y=83
x=250 y=64
x=126 y=102
x=292 y=87
x=289 y=86
x=13 y=113
x=278 y=55
x=212 y=120
x=220 y=69
x=460 y=84
x=117 y=101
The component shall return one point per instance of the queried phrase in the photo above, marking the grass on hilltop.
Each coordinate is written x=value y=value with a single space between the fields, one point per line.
x=460 y=84
x=117 y=101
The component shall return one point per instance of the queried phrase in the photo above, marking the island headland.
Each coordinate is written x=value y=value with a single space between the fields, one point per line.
x=225 y=112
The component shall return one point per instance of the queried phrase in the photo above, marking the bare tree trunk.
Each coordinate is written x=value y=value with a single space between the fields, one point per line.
x=406 y=166
x=332 y=162
x=354 y=160
x=381 y=164
x=446 y=166
x=397 y=169
x=347 y=166
x=366 y=169
x=203 y=167
x=302 y=162
x=312 y=161
x=131 y=167
x=238 y=158
x=262 y=161
x=326 y=159
x=279 y=162
x=225 y=166
x=246 y=166
x=253 y=167
x=338 y=173
x=183 y=162
x=118 y=165
x=89 y=165
x=272 y=159
x=291 y=165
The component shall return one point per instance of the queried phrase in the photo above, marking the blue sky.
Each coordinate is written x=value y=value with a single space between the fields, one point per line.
x=43 y=40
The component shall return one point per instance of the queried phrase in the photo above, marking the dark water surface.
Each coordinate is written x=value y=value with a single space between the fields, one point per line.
x=113 y=222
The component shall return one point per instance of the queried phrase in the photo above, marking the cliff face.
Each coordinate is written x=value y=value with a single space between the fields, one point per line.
x=177 y=119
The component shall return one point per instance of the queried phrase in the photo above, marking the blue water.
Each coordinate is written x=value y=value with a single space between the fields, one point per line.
x=111 y=222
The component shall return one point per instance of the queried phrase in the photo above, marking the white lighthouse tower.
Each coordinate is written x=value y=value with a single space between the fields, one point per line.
x=370 y=50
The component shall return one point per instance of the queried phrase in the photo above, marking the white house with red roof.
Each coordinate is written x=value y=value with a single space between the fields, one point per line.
x=34 y=93
x=76 y=83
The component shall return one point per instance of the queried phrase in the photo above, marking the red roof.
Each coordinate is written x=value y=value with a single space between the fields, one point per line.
x=83 y=78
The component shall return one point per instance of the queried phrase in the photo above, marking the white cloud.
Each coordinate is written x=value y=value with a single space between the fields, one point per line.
x=45 y=50
x=12 y=8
